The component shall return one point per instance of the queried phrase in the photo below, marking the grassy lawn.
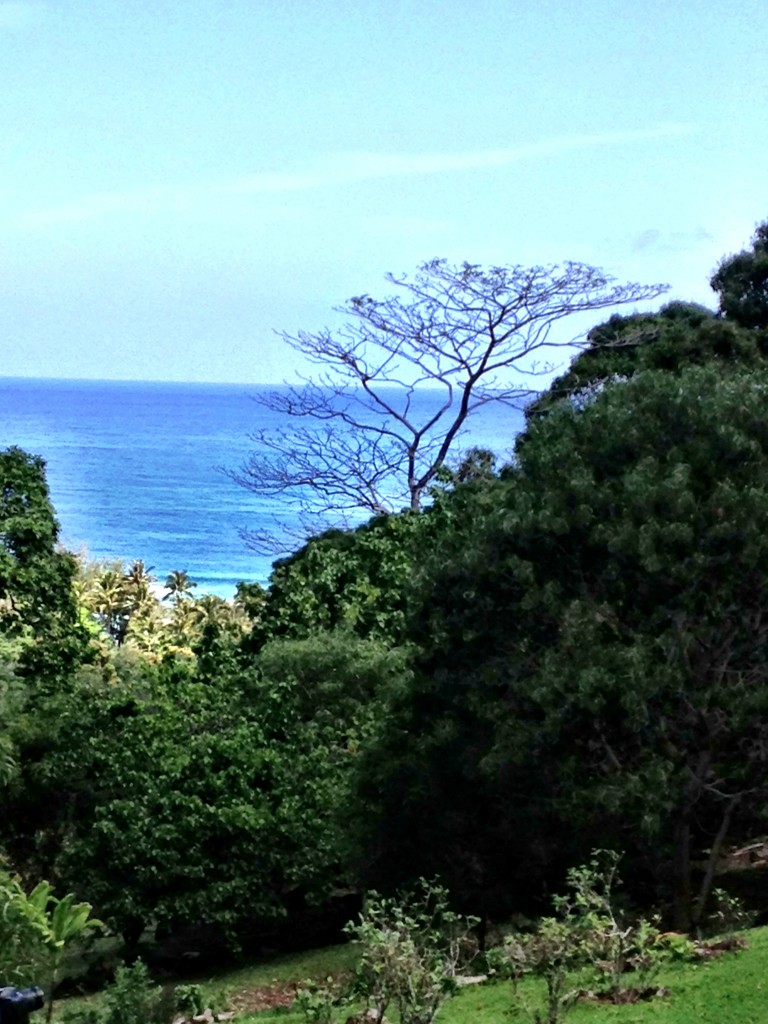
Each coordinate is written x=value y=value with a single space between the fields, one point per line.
x=317 y=963
x=729 y=990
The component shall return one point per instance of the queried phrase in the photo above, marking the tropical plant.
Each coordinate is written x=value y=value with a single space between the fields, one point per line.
x=178 y=586
x=8 y=763
x=36 y=929
x=138 y=581
x=22 y=947
x=62 y=922
x=107 y=597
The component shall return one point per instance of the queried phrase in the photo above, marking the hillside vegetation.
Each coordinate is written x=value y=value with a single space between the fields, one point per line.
x=536 y=665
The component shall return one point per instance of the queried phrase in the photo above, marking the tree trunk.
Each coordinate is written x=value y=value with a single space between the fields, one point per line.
x=682 y=873
x=714 y=856
x=131 y=931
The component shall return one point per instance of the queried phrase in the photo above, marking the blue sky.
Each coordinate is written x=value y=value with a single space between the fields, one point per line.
x=180 y=179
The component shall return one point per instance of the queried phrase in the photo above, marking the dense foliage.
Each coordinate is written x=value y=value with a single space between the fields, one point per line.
x=170 y=798
x=39 y=625
x=741 y=282
x=592 y=653
x=564 y=653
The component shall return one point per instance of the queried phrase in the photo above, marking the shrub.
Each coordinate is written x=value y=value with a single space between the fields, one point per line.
x=316 y=1001
x=133 y=999
x=411 y=948
x=189 y=1000
x=727 y=914
x=588 y=942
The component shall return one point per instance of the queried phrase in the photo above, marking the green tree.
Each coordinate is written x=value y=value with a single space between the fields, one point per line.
x=593 y=642
x=177 y=795
x=178 y=585
x=359 y=580
x=346 y=579
x=154 y=780
x=741 y=282
x=38 y=610
x=338 y=683
x=679 y=335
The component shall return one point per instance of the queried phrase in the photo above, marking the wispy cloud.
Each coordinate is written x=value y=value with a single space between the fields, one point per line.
x=675 y=241
x=333 y=171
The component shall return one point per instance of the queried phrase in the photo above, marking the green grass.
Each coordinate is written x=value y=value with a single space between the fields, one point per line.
x=730 y=990
x=317 y=963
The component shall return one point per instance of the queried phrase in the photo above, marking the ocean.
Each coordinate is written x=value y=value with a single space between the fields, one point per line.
x=138 y=469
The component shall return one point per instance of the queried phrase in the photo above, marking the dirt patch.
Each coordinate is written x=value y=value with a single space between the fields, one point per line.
x=625 y=995
x=713 y=948
x=263 y=997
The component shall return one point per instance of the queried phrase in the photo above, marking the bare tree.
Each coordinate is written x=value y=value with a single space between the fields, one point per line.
x=399 y=381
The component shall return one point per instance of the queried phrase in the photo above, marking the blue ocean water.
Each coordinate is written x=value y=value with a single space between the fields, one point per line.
x=135 y=469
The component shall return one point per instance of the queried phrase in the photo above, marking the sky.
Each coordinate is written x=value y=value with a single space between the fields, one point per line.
x=180 y=180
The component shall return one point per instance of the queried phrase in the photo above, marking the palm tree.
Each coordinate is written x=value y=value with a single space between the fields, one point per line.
x=179 y=586
x=138 y=583
x=211 y=610
x=146 y=629
x=110 y=603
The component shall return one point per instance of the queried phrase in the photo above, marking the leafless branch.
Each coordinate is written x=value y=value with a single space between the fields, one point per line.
x=398 y=382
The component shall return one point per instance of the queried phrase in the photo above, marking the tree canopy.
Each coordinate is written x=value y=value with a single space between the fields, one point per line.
x=678 y=336
x=519 y=666
x=37 y=605
x=170 y=799
x=741 y=282
x=593 y=646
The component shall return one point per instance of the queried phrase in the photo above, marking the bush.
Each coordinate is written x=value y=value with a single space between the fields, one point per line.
x=412 y=946
x=316 y=1001
x=588 y=942
x=130 y=999
x=727 y=914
